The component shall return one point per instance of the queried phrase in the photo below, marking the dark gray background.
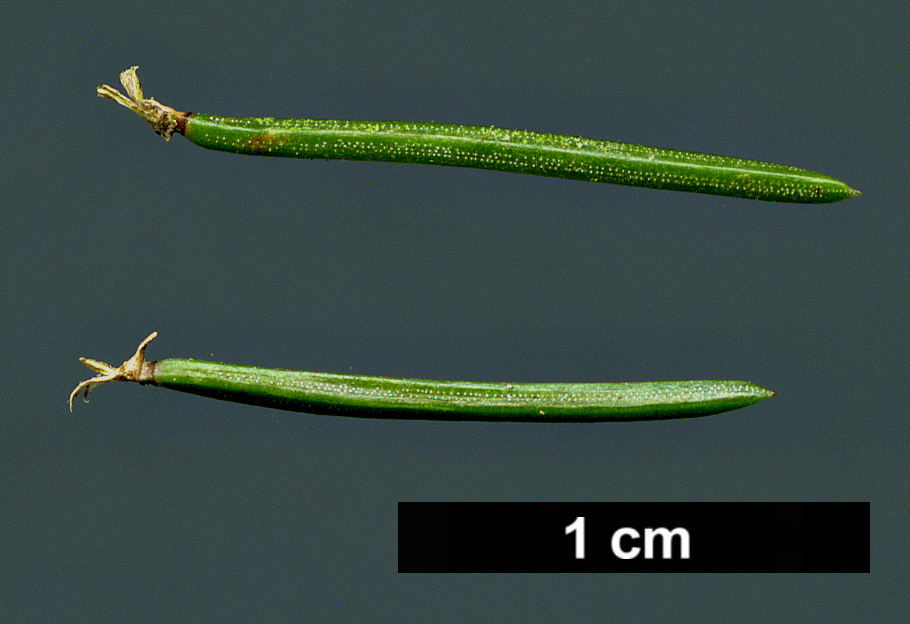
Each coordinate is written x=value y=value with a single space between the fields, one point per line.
x=147 y=505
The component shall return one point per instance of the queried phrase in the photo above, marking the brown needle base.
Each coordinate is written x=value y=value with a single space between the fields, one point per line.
x=134 y=369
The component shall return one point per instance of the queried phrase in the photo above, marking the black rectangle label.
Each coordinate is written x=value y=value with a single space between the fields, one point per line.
x=633 y=537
